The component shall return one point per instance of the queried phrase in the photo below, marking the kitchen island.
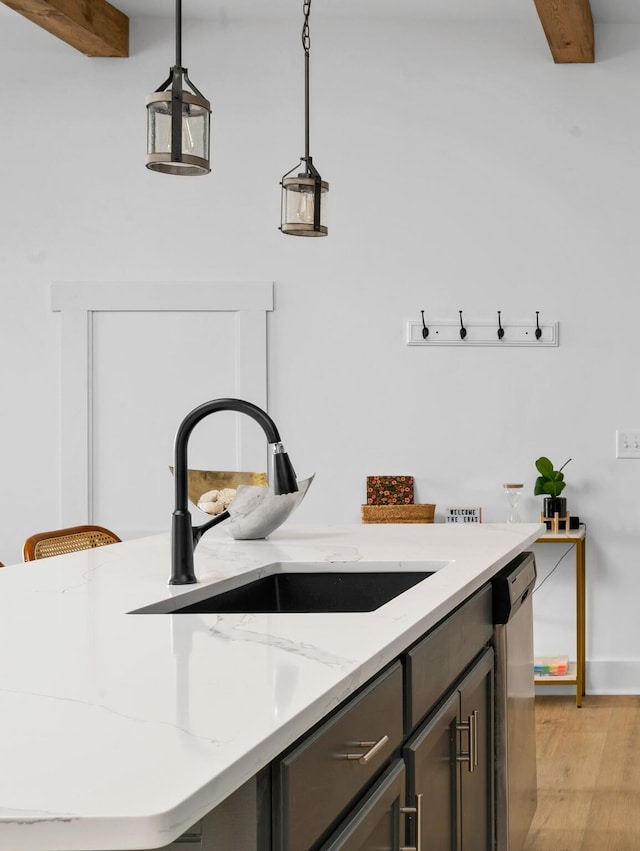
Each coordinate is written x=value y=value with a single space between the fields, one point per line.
x=120 y=730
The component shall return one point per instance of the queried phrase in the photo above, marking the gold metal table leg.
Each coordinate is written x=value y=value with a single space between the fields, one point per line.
x=581 y=619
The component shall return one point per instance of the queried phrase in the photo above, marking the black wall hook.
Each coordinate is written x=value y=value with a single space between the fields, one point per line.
x=425 y=330
x=500 y=328
x=538 y=328
x=463 y=330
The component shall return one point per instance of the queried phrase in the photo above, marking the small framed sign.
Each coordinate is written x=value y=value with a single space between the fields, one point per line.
x=463 y=514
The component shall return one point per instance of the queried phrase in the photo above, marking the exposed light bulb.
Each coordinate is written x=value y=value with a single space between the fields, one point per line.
x=188 y=144
x=306 y=205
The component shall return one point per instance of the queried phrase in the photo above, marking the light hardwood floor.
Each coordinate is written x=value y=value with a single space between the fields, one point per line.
x=588 y=775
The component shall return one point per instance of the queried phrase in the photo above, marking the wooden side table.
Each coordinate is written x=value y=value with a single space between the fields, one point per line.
x=577 y=670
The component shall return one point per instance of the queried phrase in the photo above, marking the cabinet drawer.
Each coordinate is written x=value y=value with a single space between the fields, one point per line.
x=316 y=783
x=434 y=664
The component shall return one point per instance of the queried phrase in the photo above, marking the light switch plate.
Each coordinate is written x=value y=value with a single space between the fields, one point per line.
x=628 y=443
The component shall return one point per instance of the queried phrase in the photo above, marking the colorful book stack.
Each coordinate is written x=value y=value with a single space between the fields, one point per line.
x=551 y=666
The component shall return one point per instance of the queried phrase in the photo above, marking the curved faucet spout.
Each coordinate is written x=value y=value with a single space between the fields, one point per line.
x=184 y=537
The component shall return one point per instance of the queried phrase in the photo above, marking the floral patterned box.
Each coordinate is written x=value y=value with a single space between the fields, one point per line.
x=389 y=490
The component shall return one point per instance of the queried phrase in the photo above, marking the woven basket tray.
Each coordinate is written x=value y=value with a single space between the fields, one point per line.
x=416 y=513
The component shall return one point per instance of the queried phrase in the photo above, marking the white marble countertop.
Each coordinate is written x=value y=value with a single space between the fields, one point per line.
x=119 y=731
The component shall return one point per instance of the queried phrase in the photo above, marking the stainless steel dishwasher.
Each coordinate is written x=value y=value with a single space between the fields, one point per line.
x=515 y=742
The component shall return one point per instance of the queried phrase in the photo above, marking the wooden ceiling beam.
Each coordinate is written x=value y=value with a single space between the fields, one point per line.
x=94 y=27
x=568 y=26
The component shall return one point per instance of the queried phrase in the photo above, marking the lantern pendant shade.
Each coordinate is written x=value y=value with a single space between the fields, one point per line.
x=304 y=205
x=178 y=121
x=178 y=133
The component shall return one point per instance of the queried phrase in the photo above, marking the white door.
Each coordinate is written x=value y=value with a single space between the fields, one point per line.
x=136 y=358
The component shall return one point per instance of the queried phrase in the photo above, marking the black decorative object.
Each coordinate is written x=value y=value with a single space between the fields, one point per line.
x=553 y=505
x=463 y=330
x=538 y=328
x=425 y=330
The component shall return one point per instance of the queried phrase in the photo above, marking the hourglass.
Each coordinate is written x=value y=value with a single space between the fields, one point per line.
x=513 y=492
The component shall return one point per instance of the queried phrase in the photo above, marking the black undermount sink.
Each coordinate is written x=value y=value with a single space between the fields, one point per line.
x=309 y=592
x=301 y=587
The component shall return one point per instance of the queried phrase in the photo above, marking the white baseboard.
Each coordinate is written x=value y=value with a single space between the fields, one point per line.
x=613 y=677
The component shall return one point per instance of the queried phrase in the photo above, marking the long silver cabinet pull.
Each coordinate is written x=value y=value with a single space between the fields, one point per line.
x=476 y=738
x=364 y=758
x=465 y=727
x=470 y=727
x=418 y=813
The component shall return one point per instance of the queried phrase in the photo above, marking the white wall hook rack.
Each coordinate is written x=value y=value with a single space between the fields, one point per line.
x=482 y=333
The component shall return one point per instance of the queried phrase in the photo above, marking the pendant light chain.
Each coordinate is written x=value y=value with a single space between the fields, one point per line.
x=306 y=37
x=306 y=45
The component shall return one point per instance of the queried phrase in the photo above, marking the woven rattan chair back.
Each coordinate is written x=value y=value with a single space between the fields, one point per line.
x=61 y=541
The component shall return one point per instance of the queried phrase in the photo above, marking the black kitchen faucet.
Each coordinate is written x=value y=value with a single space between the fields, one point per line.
x=184 y=536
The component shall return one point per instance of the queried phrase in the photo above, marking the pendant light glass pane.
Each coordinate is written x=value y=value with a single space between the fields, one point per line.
x=298 y=206
x=195 y=130
x=194 y=118
x=159 y=127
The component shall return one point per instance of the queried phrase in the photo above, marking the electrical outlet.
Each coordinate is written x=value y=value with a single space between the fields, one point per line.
x=627 y=444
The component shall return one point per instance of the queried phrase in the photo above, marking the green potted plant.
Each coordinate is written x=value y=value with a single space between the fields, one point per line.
x=551 y=483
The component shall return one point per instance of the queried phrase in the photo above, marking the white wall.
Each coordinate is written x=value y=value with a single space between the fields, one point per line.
x=467 y=171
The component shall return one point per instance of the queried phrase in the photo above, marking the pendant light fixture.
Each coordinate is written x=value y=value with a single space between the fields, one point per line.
x=304 y=198
x=178 y=121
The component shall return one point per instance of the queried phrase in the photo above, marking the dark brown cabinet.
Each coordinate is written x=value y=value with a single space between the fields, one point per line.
x=430 y=758
x=476 y=766
x=450 y=766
